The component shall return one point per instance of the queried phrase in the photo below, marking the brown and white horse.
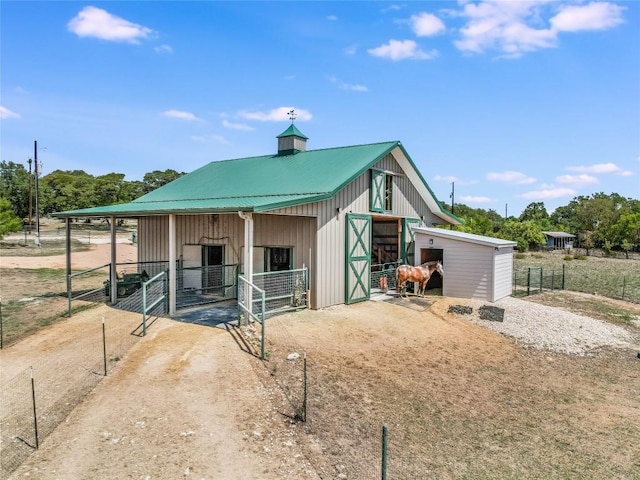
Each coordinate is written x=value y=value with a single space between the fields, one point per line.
x=418 y=275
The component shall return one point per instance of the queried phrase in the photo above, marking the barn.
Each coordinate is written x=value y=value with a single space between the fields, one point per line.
x=341 y=215
x=475 y=266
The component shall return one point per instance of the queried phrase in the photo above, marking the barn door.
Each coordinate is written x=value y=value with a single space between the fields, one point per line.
x=358 y=258
x=408 y=240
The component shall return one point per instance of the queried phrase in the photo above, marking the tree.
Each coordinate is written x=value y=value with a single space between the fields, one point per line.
x=9 y=222
x=157 y=178
x=536 y=212
x=527 y=234
x=14 y=187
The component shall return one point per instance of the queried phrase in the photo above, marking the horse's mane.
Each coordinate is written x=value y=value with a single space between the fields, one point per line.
x=428 y=264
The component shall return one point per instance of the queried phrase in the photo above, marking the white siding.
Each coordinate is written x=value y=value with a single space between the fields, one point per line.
x=503 y=274
x=471 y=270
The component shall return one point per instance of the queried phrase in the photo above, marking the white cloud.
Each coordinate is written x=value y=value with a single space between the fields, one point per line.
x=401 y=50
x=98 y=23
x=472 y=199
x=276 y=115
x=601 y=168
x=211 y=138
x=517 y=178
x=6 y=114
x=355 y=87
x=236 y=126
x=517 y=27
x=549 y=194
x=164 y=49
x=593 y=16
x=179 y=115
x=583 y=180
x=426 y=24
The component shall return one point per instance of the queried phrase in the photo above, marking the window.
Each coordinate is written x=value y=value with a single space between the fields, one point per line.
x=381 y=191
x=278 y=258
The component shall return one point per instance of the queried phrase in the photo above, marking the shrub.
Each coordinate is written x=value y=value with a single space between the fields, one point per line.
x=568 y=258
x=579 y=256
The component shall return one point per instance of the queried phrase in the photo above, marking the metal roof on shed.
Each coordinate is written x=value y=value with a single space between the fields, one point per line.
x=466 y=237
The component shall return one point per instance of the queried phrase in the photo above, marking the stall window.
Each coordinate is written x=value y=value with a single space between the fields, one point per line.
x=278 y=258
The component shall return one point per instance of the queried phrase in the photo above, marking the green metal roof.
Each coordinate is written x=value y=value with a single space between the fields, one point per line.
x=292 y=131
x=256 y=183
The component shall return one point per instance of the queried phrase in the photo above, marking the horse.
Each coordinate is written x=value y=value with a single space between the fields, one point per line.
x=419 y=275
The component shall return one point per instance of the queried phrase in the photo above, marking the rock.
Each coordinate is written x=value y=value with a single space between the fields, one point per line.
x=460 y=309
x=293 y=356
x=493 y=314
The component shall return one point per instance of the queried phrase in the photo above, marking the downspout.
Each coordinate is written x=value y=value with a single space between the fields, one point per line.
x=172 y=264
x=114 y=273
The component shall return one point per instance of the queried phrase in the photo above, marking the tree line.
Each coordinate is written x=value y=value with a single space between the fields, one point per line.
x=610 y=222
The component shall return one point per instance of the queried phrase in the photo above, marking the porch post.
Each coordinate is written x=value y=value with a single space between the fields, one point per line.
x=248 y=255
x=114 y=273
x=172 y=264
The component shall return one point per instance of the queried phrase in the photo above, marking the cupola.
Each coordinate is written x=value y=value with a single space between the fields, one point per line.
x=291 y=141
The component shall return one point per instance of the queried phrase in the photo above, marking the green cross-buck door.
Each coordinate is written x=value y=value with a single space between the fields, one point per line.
x=358 y=258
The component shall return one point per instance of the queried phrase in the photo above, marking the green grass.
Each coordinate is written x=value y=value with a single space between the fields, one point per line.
x=609 y=277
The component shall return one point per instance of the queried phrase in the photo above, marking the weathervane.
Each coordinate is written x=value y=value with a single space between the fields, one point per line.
x=292 y=115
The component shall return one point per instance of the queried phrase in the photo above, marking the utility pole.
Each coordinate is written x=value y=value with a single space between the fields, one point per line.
x=452 y=200
x=30 y=194
x=505 y=211
x=37 y=170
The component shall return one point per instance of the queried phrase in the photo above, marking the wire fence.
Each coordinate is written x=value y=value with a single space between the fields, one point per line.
x=538 y=279
x=285 y=290
x=355 y=443
x=36 y=399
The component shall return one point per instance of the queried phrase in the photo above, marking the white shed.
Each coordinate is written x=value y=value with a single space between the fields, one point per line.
x=475 y=266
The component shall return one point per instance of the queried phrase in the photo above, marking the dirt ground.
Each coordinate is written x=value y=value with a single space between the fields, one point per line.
x=188 y=401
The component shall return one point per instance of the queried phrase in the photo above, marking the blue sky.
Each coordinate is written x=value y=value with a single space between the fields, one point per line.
x=515 y=102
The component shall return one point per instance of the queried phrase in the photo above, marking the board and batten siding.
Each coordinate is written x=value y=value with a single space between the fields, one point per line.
x=329 y=278
x=228 y=230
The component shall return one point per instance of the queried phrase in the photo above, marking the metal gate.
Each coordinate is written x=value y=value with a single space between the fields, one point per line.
x=358 y=258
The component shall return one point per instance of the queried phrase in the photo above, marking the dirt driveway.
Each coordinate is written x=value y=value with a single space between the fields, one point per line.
x=185 y=402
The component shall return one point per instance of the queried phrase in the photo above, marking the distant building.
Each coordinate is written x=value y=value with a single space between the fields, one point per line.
x=558 y=240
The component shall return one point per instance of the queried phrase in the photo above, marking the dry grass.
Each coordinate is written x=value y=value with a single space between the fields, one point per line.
x=462 y=402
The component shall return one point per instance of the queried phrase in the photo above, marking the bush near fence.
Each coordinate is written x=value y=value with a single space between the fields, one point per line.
x=60 y=382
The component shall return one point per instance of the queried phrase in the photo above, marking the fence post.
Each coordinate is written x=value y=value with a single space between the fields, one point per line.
x=385 y=444
x=563 y=272
x=33 y=399
x=262 y=329
x=304 y=387
x=104 y=347
x=624 y=284
x=553 y=278
x=528 y=281
x=540 y=279
x=144 y=310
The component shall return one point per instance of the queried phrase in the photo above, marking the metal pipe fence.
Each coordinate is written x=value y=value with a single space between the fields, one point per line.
x=386 y=271
x=202 y=285
x=285 y=290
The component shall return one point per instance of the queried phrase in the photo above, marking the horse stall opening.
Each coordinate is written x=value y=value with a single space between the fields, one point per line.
x=385 y=253
x=433 y=255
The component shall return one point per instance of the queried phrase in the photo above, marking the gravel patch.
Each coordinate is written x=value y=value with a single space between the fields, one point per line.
x=551 y=328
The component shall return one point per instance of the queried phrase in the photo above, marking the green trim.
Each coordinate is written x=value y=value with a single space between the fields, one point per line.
x=357 y=265
x=408 y=236
x=377 y=191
